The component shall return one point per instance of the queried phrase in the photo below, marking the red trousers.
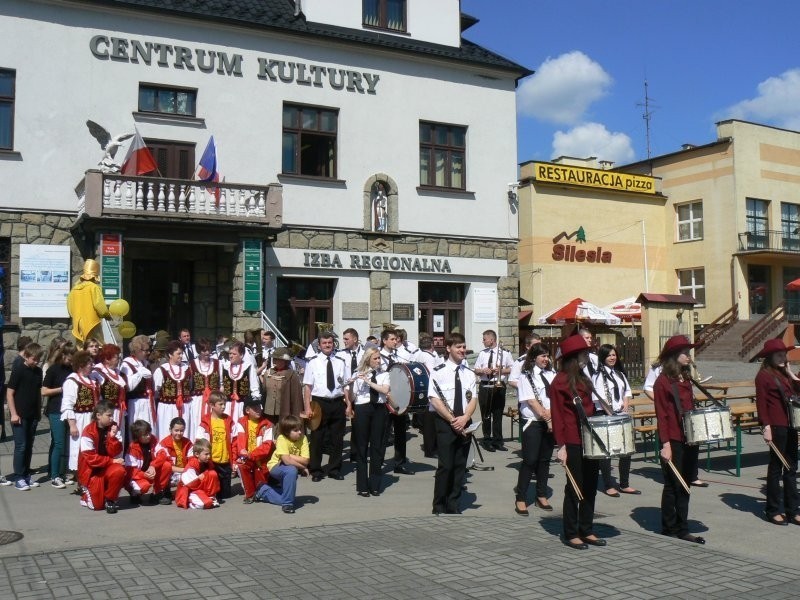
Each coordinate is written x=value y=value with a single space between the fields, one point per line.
x=139 y=484
x=199 y=493
x=103 y=485
x=252 y=475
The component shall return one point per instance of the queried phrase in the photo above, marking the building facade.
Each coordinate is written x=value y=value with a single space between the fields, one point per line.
x=354 y=163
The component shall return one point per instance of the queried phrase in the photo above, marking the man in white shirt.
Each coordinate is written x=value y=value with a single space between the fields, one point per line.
x=492 y=364
x=189 y=351
x=389 y=356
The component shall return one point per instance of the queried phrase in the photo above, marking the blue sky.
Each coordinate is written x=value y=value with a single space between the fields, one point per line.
x=704 y=60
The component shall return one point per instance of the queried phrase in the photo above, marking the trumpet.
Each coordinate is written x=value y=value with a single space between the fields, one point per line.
x=498 y=379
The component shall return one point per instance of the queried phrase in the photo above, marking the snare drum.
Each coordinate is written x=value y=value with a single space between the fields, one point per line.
x=794 y=415
x=707 y=425
x=408 y=384
x=616 y=433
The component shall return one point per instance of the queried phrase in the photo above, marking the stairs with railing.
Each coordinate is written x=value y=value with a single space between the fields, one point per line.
x=716 y=329
x=770 y=325
x=268 y=325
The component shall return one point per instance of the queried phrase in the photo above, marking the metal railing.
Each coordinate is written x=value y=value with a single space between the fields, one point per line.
x=777 y=241
x=762 y=329
x=268 y=325
x=716 y=328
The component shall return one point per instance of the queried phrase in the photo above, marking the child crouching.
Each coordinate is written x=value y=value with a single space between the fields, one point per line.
x=100 y=474
x=147 y=472
x=199 y=483
x=289 y=459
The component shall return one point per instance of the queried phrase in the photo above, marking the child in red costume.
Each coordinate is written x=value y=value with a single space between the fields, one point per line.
x=217 y=428
x=100 y=474
x=199 y=483
x=254 y=443
x=175 y=448
x=147 y=472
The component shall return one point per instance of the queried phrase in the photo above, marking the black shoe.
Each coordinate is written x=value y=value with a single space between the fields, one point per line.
x=544 y=506
x=698 y=483
x=374 y=493
x=288 y=509
x=613 y=494
x=364 y=494
x=500 y=448
x=487 y=446
x=249 y=499
x=135 y=499
x=630 y=490
x=594 y=542
x=521 y=511
x=111 y=507
x=693 y=538
x=772 y=520
x=155 y=499
x=437 y=511
x=576 y=545
x=165 y=500
x=336 y=476
x=403 y=470
x=317 y=478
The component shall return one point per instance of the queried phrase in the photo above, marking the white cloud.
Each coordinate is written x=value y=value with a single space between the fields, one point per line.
x=777 y=102
x=563 y=88
x=593 y=139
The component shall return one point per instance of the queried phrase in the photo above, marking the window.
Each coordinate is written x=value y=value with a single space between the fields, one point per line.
x=757 y=223
x=175 y=160
x=442 y=149
x=170 y=101
x=690 y=221
x=7 y=84
x=790 y=226
x=5 y=282
x=693 y=282
x=309 y=141
x=385 y=14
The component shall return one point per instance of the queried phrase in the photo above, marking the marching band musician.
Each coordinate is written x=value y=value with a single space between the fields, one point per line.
x=172 y=386
x=673 y=396
x=452 y=396
x=775 y=387
x=593 y=362
x=427 y=421
x=206 y=378
x=324 y=382
x=284 y=388
x=140 y=382
x=492 y=363
x=351 y=354
x=516 y=368
x=267 y=350
x=389 y=356
x=570 y=400
x=611 y=385
x=405 y=349
x=537 y=436
x=239 y=381
x=369 y=387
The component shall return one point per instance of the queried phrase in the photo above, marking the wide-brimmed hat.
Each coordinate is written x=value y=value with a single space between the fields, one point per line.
x=772 y=346
x=281 y=354
x=91 y=270
x=675 y=344
x=573 y=345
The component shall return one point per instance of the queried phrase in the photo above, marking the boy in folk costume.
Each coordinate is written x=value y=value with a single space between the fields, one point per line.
x=146 y=470
x=239 y=381
x=199 y=483
x=217 y=428
x=254 y=444
x=101 y=474
x=176 y=448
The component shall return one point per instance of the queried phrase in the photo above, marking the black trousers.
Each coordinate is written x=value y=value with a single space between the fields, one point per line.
x=537 y=450
x=785 y=440
x=452 y=467
x=399 y=424
x=368 y=429
x=579 y=515
x=624 y=472
x=333 y=423
x=492 y=401
x=428 y=421
x=675 y=499
x=224 y=473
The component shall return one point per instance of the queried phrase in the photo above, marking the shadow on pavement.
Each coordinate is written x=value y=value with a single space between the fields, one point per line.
x=744 y=503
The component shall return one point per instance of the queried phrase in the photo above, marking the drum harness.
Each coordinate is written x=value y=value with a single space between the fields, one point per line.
x=576 y=400
x=792 y=400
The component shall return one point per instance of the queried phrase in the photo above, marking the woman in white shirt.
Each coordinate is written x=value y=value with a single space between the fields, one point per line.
x=612 y=386
x=369 y=389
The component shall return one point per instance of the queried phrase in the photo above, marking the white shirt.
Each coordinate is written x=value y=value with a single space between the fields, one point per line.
x=600 y=385
x=594 y=362
x=525 y=391
x=500 y=358
x=236 y=372
x=361 y=389
x=445 y=376
x=176 y=373
x=428 y=358
x=185 y=354
x=650 y=380
x=347 y=356
x=388 y=358
x=406 y=351
x=316 y=375
x=516 y=369
x=134 y=371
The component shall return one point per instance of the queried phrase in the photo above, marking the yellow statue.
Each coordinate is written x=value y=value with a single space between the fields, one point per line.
x=86 y=304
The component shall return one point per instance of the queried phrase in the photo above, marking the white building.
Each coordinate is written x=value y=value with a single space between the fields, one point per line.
x=365 y=149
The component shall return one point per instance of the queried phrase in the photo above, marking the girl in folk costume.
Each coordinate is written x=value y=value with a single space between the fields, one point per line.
x=254 y=442
x=113 y=385
x=284 y=389
x=205 y=379
x=199 y=483
x=100 y=472
x=140 y=399
x=80 y=395
x=172 y=386
x=176 y=448
x=239 y=381
x=776 y=389
x=146 y=470
x=614 y=391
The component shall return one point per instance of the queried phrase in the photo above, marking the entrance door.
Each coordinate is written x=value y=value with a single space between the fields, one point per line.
x=302 y=303
x=161 y=297
x=441 y=309
x=758 y=277
x=792 y=298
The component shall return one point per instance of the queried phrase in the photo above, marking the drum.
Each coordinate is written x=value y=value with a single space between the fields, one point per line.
x=616 y=433
x=707 y=425
x=794 y=415
x=408 y=385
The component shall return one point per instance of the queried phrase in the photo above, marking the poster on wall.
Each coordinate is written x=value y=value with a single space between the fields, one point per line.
x=484 y=305
x=43 y=280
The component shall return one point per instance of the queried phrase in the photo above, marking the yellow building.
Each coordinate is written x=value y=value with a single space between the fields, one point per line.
x=720 y=222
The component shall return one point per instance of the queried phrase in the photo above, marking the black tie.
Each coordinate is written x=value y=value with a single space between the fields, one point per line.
x=373 y=394
x=353 y=362
x=391 y=359
x=269 y=358
x=545 y=383
x=491 y=356
x=331 y=380
x=189 y=353
x=458 y=409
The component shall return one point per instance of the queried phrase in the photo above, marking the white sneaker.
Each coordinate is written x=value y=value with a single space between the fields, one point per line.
x=5 y=482
x=31 y=482
x=58 y=483
x=21 y=485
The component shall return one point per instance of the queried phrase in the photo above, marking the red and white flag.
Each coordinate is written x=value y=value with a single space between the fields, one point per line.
x=138 y=160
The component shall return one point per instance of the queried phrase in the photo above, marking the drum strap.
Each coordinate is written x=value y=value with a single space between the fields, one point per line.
x=676 y=396
x=576 y=400
x=608 y=407
x=787 y=401
x=706 y=393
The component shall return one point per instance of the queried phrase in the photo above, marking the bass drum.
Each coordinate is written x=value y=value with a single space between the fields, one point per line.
x=408 y=387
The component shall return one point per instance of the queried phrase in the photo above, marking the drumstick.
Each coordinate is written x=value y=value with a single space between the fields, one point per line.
x=678 y=475
x=780 y=456
x=574 y=483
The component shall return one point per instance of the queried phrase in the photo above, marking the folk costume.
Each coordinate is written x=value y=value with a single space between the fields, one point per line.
x=254 y=442
x=100 y=476
x=284 y=393
x=172 y=385
x=206 y=378
x=239 y=384
x=219 y=431
x=177 y=453
x=198 y=485
x=140 y=397
x=138 y=459
x=113 y=388
x=80 y=396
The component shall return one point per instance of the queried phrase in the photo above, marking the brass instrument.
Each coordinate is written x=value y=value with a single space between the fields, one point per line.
x=539 y=399
x=498 y=379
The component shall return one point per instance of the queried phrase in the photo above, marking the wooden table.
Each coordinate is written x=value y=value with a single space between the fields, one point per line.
x=744 y=416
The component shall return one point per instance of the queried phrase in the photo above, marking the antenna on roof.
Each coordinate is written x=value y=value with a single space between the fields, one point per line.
x=647 y=115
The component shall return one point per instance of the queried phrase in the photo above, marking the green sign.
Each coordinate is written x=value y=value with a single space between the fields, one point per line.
x=111 y=266
x=253 y=275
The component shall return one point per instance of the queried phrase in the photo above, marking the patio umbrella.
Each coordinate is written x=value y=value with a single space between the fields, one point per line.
x=793 y=286
x=579 y=310
x=626 y=309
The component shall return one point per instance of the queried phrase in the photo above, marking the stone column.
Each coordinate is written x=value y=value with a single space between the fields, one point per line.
x=380 y=299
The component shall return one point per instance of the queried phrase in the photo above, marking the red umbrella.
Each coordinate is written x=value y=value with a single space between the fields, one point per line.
x=565 y=313
x=793 y=286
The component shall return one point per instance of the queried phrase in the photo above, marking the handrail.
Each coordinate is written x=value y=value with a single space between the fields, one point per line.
x=266 y=323
x=717 y=327
x=761 y=329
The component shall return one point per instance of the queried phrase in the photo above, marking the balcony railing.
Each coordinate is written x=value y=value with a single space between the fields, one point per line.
x=774 y=241
x=107 y=194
